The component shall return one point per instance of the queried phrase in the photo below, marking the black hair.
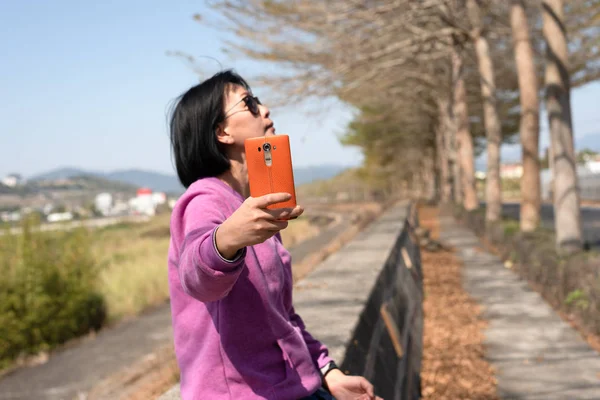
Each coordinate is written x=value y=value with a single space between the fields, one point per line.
x=197 y=113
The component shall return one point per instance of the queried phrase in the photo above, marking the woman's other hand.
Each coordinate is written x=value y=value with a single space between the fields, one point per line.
x=348 y=387
x=253 y=223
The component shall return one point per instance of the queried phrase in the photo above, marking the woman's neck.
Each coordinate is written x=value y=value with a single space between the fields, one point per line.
x=237 y=178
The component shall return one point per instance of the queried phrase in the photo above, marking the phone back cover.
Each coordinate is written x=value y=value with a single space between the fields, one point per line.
x=279 y=177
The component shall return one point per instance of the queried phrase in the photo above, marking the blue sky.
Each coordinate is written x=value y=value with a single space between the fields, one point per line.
x=88 y=84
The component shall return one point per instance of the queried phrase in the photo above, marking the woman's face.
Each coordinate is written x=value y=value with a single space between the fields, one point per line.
x=240 y=123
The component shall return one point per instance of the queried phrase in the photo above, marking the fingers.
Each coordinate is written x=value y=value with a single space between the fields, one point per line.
x=370 y=390
x=272 y=220
x=368 y=387
x=270 y=199
x=276 y=225
x=285 y=213
x=296 y=212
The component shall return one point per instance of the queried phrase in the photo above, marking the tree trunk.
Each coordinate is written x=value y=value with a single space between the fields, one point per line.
x=445 y=188
x=429 y=170
x=457 y=193
x=444 y=106
x=529 y=124
x=490 y=112
x=463 y=135
x=558 y=105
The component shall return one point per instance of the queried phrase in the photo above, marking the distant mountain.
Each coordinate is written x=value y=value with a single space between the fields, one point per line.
x=169 y=183
x=62 y=173
x=154 y=180
x=591 y=141
x=304 y=175
x=99 y=183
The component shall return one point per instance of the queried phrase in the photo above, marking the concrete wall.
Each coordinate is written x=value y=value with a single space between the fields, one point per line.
x=365 y=303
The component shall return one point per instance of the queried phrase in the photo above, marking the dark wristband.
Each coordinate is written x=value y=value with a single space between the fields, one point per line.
x=328 y=367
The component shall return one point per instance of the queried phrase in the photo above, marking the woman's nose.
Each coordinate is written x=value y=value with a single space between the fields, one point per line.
x=264 y=111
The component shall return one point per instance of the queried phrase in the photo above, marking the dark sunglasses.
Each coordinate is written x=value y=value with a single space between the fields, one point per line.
x=252 y=104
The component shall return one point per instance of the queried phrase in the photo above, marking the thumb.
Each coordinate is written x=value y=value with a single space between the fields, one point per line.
x=367 y=387
x=272 y=198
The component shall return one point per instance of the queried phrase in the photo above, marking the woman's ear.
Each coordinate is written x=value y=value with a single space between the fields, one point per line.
x=223 y=136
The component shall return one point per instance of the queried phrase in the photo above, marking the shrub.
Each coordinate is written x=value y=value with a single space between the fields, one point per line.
x=47 y=292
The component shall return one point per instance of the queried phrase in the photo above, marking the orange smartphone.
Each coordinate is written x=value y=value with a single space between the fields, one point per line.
x=269 y=162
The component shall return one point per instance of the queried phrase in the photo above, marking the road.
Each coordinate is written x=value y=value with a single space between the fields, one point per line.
x=590 y=218
x=88 y=223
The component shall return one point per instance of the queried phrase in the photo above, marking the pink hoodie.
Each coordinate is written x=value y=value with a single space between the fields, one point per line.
x=236 y=333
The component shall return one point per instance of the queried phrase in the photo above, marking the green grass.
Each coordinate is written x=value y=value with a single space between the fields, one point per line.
x=511 y=227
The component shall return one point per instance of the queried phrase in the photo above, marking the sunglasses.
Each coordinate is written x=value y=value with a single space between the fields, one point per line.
x=252 y=104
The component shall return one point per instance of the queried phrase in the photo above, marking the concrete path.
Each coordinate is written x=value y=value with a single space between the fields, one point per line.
x=80 y=366
x=535 y=353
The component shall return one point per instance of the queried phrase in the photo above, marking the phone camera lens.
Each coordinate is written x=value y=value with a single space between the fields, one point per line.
x=267 y=147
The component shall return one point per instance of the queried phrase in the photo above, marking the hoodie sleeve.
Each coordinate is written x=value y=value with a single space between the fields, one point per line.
x=204 y=273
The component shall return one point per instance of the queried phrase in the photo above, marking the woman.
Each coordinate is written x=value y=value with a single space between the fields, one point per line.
x=236 y=333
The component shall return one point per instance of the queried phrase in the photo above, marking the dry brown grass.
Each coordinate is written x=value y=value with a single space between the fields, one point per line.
x=134 y=262
x=297 y=231
x=371 y=206
x=453 y=366
x=134 y=265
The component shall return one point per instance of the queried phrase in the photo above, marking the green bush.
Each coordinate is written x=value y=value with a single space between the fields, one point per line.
x=47 y=291
x=577 y=298
x=511 y=227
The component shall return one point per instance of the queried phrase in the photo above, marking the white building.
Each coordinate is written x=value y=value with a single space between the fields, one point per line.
x=104 y=203
x=60 y=217
x=12 y=180
x=10 y=216
x=593 y=164
x=159 y=198
x=47 y=208
x=511 y=171
x=143 y=203
x=120 y=208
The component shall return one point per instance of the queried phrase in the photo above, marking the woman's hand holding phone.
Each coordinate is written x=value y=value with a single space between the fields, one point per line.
x=253 y=223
